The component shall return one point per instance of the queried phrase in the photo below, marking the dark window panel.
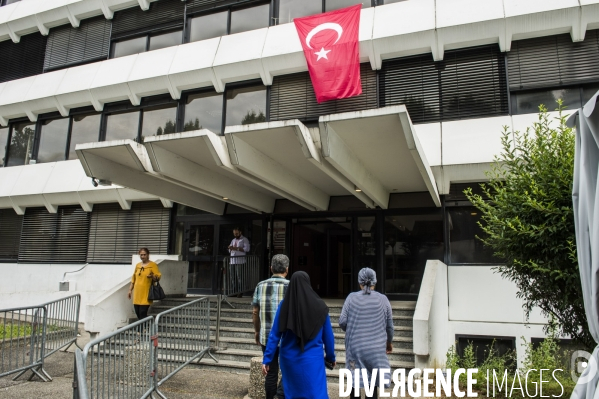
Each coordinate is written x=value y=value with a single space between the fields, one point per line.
x=85 y=129
x=3 y=144
x=122 y=126
x=528 y=102
x=128 y=47
x=7 y=2
x=331 y=5
x=208 y=26
x=389 y=1
x=589 y=91
x=290 y=9
x=409 y=241
x=166 y=40
x=10 y=235
x=53 y=140
x=23 y=59
x=159 y=121
x=20 y=149
x=68 y=46
x=246 y=105
x=163 y=14
x=464 y=247
x=204 y=111
x=248 y=19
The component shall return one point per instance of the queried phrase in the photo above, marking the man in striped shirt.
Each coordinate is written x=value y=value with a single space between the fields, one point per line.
x=267 y=296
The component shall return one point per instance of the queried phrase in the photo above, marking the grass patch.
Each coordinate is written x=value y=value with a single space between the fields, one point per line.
x=9 y=331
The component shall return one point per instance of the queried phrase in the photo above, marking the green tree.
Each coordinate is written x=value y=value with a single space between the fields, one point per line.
x=527 y=218
x=253 y=117
x=21 y=142
x=192 y=125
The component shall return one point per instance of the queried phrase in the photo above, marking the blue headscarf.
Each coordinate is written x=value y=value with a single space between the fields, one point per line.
x=367 y=278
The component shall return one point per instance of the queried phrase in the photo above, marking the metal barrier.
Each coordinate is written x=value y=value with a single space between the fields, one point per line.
x=62 y=324
x=240 y=274
x=118 y=365
x=22 y=343
x=184 y=336
x=134 y=361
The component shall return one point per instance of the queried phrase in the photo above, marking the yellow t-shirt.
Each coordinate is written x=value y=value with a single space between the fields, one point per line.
x=141 y=282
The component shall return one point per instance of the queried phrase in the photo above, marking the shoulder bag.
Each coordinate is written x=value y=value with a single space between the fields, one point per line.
x=156 y=292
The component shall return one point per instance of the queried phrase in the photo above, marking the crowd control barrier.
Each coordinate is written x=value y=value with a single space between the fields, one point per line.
x=34 y=333
x=134 y=361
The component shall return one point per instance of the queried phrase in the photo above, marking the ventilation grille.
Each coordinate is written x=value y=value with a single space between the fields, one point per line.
x=10 y=235
x=553 y=61
x=23 y=59
x=69 y=46
x=163 y=14
x=292 y=97
x=116 y=234
x=468 y=83
x=54 y=237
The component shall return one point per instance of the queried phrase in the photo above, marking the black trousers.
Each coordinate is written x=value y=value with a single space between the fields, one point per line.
x=272 y=378
x=375 y=394
x=141 y=311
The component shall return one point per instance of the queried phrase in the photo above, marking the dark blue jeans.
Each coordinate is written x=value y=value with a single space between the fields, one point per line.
x=272 y=378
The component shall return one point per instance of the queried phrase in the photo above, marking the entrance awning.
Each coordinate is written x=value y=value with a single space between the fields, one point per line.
x=378 y=151
x=284 y=158
x=126 y=163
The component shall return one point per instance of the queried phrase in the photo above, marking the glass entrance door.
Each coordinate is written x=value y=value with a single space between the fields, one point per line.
x=200 y=246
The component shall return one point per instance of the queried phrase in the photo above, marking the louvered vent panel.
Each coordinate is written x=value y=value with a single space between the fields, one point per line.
x=468 y=83
x=69 y=46
x=201 y=5
x=60 y=237
x=292 y=97
x=116 y=234
x=553 y=61
x=23 y=59
x=10 y=235
x=163 y=14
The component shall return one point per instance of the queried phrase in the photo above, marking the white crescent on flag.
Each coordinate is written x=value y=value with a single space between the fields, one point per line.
x=325 y=26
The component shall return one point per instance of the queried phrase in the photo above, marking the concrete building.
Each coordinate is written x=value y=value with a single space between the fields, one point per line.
x=166 y=123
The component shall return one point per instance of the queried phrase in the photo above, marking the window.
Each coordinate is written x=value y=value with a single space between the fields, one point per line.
x=10 y=235
x=53 y=140
x=128 y=47
x=409 y=241
x=23 y=59
x=246 y=105
x=208 y=26
x=84 y=129
x=122 y=126
x=20 y=150
x=331 y=5
x=3 y=143
x=165 y=40
x=204 y=111
x=464 y=246
x=290 y=9
x=233 y=20
x=527 y=102
x=7 y=2
x=481 y=345
x=159 y=121
x=60 y=237
x=146 y=43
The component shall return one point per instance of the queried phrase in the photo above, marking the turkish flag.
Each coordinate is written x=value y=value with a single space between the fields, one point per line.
x=330 y=43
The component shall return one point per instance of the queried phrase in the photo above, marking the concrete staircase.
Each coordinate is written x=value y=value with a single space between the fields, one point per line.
x=237 y=335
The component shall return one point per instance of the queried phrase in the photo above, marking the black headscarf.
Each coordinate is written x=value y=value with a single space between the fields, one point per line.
x=302 y=310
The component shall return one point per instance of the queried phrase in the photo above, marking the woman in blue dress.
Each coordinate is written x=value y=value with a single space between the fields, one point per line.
x=302 y=327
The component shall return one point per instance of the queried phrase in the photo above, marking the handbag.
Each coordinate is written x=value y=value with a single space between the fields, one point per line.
x=156 y=292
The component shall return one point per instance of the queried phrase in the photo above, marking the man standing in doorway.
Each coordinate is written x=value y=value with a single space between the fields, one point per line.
x=267 y=296
x=239 y=248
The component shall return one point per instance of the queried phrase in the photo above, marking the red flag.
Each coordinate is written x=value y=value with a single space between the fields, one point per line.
x=330 y=43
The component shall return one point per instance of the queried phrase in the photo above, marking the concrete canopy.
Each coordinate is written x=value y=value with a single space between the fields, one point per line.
x=378 y=152
x=284 y=158
x=126 y=163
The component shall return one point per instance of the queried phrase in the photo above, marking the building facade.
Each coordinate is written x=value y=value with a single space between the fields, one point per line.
x=166 y=123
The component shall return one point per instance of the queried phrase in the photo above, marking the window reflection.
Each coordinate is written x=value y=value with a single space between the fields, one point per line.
x=122 y=126
x=165 y=40
x=85 y=129
x=410 y=240
x=464 y=247
x=159 y=121
x=53 y=140
x=204 y=111
x=208 y=26
x=290 y=9
x=248 y=19
x=128 y=47
x=246 y=105
x=588 y=92
x=528 y=102
x=21 y=144
x=331 y=5
x=3 y=143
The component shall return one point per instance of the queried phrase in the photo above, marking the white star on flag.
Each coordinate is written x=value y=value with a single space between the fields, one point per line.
x=322 y=54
